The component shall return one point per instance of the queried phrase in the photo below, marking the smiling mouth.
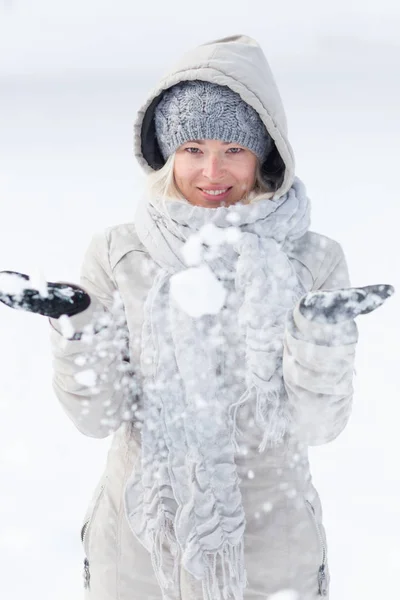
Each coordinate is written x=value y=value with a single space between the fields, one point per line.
x=216 y=193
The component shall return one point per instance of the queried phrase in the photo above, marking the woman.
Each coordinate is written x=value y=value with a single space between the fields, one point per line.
x=201 y=339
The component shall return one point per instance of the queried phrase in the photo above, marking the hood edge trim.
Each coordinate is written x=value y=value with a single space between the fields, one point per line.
x=172 y=79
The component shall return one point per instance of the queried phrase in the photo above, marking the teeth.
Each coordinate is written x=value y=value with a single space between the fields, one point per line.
x=215 y=192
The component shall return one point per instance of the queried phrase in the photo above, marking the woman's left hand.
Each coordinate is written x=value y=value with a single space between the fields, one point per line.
x=337 y=306
x=60 y=298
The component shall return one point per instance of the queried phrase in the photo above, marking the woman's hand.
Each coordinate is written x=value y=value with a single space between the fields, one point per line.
x=337 y=306
x=17 y=291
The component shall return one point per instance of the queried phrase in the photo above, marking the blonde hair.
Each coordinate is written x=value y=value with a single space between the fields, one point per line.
x=161 y=184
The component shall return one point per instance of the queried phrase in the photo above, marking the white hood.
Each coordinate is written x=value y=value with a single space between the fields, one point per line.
x=239 y=63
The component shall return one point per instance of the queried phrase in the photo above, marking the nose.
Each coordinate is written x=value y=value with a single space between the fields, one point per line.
x=213 y=167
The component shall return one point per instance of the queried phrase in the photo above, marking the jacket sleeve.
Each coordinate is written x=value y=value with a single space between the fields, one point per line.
x=318 y=363
x=90 y=376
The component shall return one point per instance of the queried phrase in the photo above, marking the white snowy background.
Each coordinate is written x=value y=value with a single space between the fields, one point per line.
x=72 y=75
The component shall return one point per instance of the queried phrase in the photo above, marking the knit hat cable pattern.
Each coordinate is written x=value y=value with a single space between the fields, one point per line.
x=199 y=110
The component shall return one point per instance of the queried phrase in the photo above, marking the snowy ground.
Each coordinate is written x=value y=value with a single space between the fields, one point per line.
x=66 y=171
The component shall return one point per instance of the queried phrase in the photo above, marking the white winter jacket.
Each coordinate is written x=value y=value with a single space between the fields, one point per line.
x=285 y=542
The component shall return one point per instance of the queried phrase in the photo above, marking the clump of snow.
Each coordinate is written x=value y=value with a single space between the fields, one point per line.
x=12 y=285
x=232 y=235
x=80 y=360
x=37 y=281
x=267 y=507
x=192 y=251
x=197 y=291
x=67 y=329
x=233 y=217
x=87 y=377
x=338 y=306
x=209 y=236
x=64 y=292
x=212 y=235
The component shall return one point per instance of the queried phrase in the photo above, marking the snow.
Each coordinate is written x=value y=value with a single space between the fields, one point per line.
x=12 y=284
x=66 y=326
x=233 y=217
x=344 y=305
x=86 y=378
x=192 y=251
x=208 y=239
x=37 y=281
x=197 y=291
x=66 y=171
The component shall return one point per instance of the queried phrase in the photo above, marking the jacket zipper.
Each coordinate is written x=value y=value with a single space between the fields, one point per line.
x=322 y=581
x=86 y=565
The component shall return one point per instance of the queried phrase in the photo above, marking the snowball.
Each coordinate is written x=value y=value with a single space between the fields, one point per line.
x=87 y=377
x=197 y=291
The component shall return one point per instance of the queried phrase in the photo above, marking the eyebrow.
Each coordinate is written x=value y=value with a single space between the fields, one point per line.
x=201 y=142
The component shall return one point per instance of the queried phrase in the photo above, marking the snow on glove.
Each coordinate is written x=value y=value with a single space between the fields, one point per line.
x=18 y=292
x=338 y=306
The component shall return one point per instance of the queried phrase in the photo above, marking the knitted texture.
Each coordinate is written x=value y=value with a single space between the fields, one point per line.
x=184 y=498
x=200 y=110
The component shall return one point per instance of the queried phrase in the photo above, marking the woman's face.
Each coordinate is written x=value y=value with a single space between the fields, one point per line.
x=204 y=165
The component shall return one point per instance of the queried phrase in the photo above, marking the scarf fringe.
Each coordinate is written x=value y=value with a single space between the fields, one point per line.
x=274 y=426
x=233 y=409
x=225 y=577
x=267 y=405
x=167 y=578
x=179 y=404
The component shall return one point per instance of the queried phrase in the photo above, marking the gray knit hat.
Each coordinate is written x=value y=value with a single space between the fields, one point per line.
x=199 y=110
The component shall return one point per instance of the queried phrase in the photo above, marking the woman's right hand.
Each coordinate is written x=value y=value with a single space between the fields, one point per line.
x=57 y=299
x=337 y=306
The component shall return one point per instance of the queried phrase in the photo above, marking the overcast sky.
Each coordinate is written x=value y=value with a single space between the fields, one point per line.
x=39 y=36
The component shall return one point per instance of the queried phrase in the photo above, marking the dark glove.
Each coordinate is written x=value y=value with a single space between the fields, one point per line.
x=337 y=306
x=62 y=298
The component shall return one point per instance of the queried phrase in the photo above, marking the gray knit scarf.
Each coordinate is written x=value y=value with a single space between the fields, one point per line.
x=183 y=502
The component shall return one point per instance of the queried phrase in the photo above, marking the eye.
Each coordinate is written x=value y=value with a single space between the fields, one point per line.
x=192 y=148
x=239 y=150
